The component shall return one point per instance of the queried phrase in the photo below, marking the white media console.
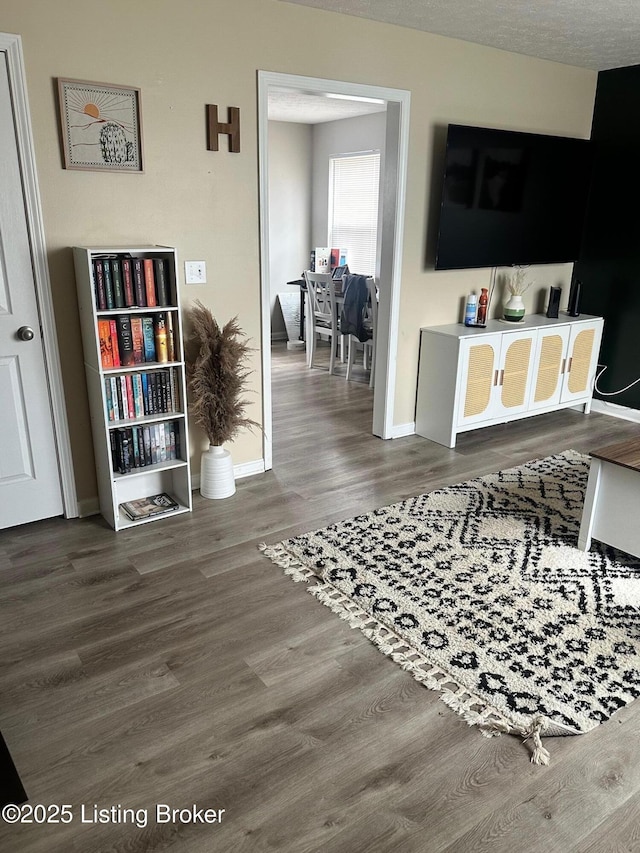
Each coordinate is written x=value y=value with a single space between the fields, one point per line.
x=470 y=377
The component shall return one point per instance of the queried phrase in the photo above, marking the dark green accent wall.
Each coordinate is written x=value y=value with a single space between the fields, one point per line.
x=609 y=264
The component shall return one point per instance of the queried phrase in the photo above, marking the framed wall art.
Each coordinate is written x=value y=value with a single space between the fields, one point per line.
x=101 y=126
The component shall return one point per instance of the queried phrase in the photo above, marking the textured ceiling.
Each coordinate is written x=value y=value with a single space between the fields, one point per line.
x=307 y=108
x=596 y=34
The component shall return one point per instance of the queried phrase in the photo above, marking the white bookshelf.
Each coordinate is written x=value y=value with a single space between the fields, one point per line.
x=170 y=475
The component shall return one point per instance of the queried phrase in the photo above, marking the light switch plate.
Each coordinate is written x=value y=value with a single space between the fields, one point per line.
x=195 y=272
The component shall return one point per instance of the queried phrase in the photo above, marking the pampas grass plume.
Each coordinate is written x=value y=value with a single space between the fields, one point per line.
x=217 y=375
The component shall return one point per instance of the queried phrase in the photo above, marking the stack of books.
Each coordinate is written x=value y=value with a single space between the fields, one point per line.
x=150 y=506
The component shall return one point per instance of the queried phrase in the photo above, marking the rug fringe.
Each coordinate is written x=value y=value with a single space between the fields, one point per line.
x=473 y=710
x=291 y=565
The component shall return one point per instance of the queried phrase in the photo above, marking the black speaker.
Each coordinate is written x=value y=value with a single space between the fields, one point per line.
x=573 y=308
x=554 y=302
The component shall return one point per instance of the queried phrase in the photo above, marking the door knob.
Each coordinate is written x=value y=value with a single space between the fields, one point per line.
x=25 y=333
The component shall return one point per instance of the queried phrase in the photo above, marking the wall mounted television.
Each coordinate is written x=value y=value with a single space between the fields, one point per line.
x=511 y=198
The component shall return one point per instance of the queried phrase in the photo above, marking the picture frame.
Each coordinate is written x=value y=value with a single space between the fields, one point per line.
x=100 y=125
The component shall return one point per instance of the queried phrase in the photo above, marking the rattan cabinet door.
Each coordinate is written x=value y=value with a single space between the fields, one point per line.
x=496 y=374
x=580 y=370
x=479 y=359
x=549 y=366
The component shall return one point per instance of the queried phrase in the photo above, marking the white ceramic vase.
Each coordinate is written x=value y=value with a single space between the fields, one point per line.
x=216 y=473
x=514 y=309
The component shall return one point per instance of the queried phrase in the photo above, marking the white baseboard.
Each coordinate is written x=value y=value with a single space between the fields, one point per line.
x=623 y=412
x=88 y=506
x=249 y=469
x=403 y=430
x=245 y=469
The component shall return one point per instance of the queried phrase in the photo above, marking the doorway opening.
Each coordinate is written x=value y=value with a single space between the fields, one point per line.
x=392 y=223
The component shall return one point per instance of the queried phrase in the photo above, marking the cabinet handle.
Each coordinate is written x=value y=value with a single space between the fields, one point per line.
x=564 y=364
x=569 y=365
x=495 y=377
x=502 y=377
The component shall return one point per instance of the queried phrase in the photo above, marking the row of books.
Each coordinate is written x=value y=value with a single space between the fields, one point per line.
x=127 y=340
x=121 y=281
x=138 y=447
x=135 y=395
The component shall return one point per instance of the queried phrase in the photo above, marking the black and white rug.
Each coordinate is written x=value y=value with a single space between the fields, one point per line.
x=480 y=592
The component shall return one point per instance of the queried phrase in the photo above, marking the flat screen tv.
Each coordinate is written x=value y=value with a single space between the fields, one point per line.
x=511 y=198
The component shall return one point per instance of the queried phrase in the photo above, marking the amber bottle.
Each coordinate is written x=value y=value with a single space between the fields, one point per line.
x=483 y=302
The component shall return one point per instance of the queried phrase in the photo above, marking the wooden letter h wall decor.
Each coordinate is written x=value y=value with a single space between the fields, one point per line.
x=230 y=128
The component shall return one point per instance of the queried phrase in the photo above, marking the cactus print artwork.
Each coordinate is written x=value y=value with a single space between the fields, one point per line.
x=100 y=126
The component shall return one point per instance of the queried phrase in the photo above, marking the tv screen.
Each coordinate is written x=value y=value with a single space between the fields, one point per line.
x=511 y=198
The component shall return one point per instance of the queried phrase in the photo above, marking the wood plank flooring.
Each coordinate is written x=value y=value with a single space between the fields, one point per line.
x=175 y=664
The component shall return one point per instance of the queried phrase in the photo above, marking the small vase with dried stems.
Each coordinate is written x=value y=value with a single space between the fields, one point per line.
x=516 y=288
x=217 y=379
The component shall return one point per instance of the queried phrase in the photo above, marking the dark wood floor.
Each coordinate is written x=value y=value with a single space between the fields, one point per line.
x=174 y=664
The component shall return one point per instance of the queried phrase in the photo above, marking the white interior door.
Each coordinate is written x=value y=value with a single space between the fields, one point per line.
x=30 y=487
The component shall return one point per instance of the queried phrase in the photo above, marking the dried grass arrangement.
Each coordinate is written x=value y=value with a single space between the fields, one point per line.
x=516 y=284
x=217 y=375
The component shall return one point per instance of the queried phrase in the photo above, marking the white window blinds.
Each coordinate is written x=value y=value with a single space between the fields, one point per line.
x=354 y=181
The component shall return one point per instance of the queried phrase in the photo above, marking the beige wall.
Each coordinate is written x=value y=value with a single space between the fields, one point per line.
x=186 y=54
x=290 y=167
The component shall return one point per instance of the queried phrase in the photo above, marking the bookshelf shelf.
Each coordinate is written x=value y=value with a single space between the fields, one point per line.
x=137 y=399
x=135 y=368
x=149 y=419
x=148 y=469
x=125 y=522
x=154 y=309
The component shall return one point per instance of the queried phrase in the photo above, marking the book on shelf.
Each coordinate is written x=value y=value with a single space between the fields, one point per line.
x=108 y=284
x=108 y=396
x=106 y=349
x=122 y=455
x=146 y=442
x=98 y=283
x=112 y=382
x=123 y=400
x=138 y=399
x=125 y=340
x=148 y=337
x=138 y=340
x=149 y=506
x=160 y=335
x=117 y=397
x=130 y=401
x=171 y=337
x=138 y=449
x=115 y=348
x=137 y=266
x=127 y=283
x=149 y=282
x=162 y=281
x=118 y=286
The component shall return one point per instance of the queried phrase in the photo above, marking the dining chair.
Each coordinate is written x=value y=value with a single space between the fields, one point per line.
x=322 y=314
x=369 y=327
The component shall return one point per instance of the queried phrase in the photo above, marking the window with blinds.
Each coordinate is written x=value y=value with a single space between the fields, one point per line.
x=354 y=181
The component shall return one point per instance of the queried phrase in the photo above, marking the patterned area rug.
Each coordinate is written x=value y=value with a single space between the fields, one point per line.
x=480 y=592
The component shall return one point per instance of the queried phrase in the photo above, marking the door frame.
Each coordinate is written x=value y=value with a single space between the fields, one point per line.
x=11 y=46
x=391 y=238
